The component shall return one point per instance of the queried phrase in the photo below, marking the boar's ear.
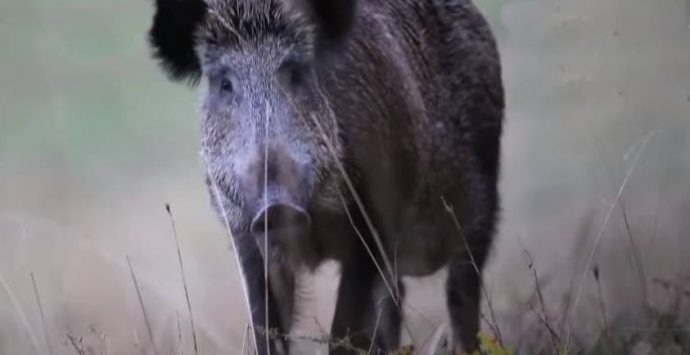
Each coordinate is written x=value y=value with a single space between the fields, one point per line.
x=334 y=20
x=172 y=37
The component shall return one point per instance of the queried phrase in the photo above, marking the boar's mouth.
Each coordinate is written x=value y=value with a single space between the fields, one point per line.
x=280 y=217
x=280 y=221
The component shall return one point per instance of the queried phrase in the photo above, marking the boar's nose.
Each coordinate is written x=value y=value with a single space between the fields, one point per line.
x=280 y=217
x=277 y=190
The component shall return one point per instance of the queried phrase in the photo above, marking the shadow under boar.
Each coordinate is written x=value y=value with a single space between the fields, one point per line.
x=362 y=131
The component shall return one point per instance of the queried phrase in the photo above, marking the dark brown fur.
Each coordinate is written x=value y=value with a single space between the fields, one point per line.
x=404 y=97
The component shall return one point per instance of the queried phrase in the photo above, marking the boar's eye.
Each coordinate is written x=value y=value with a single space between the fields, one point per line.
x=296 y=75
x=226 y=85
x=293 y=75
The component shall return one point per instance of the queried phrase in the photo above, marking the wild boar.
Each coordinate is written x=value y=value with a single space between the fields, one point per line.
x=367 y=132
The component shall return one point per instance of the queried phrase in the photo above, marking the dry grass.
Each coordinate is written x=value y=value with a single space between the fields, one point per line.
x=658 y=325
x=184 y=285
x=49 y=343
x=147 y=320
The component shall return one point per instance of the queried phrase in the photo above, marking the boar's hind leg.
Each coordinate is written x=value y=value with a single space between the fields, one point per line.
x=253 y=269
x=463 y=290
x=365 y=309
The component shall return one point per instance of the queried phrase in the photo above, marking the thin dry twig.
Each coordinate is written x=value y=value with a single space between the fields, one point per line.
x=602 y=305
x=179 y=334
x=77 y=344
x=637 y=257
x=43 y=317
x=266 y=252
x=184 y=280
x=544 y=315
x=376 y=329
x=141 y=304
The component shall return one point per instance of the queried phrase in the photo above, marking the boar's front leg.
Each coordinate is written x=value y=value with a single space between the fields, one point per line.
x=281 y=284
x=365 y=310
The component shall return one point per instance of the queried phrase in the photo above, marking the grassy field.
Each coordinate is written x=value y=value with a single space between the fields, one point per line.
x=592 y=251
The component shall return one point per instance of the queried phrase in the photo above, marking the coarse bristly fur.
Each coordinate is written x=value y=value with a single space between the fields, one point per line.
x=360 y=131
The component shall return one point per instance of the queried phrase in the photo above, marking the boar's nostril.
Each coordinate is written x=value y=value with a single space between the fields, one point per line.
x=279 y=217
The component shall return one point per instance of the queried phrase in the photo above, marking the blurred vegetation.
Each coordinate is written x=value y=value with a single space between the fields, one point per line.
x=79 y=92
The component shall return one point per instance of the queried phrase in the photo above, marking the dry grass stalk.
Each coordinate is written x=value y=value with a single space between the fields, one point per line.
x=179 y=334
x=77 y=344
x=637 y=257
x=143 y=308
x=266 y=251
x=184 y=281
x=602 y=305
x=543 y=317
x=43 y=317
x=376 y=329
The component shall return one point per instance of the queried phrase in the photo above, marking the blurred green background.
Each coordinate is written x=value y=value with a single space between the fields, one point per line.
x=79 y=91
x=94 y=140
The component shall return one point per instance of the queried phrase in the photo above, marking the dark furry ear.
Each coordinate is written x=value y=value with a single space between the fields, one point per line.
x=334 y=20
x=172 y=37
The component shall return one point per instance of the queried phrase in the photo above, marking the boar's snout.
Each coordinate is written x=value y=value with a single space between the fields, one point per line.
x=279 y=195
x=280 y=217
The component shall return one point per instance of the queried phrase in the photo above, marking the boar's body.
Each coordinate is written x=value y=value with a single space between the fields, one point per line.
x=367 y=134
x=419 y=104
